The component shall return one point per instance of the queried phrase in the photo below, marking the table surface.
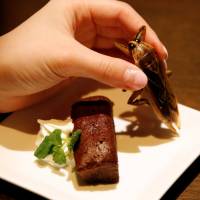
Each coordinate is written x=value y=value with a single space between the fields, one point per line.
x=177 y=24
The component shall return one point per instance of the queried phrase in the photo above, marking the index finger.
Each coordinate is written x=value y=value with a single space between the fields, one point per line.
x=116 y=13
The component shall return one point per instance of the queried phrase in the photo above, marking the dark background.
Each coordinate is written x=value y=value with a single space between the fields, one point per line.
x=177 y=24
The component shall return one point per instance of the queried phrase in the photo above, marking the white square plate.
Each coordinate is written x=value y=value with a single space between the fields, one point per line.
x=150 y=159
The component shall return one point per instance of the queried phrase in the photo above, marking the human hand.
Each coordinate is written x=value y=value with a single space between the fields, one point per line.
x=56 y=43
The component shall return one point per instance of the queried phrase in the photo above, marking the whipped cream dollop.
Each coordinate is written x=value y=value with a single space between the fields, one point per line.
x=46 y=128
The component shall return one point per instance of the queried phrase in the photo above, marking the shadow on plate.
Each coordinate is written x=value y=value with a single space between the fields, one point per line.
x=144 y=129
x=78 y=184
x=57 y=171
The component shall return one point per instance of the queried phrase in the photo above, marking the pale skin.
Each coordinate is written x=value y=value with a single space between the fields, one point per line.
x=38 y=57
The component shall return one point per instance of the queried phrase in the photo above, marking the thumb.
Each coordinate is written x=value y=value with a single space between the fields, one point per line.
x=109 y=70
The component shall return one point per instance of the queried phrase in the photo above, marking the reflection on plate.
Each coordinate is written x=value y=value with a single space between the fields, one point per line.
x=150 y=158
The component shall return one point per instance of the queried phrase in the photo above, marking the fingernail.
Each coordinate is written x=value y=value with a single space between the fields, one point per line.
x=165 y=51
x=135 y=79
x=165 y=64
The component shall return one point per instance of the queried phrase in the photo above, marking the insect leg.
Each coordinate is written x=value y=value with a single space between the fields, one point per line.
x=135 y=98
x=139 y=102
x=123 y=48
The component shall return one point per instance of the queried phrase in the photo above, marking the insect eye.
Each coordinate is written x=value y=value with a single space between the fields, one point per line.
x=131 y=46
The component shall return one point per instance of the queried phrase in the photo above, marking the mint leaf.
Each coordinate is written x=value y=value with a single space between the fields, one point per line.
x=73 y=139
x=45 y=148
x=55 y=137
x=59 y=156
x=53 y=144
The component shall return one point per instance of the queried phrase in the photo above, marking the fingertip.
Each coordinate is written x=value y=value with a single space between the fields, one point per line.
x=165 y=52
x=160 y=49
x=153 y=39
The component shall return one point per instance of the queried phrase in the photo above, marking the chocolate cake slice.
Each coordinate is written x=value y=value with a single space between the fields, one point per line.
x=96 y=153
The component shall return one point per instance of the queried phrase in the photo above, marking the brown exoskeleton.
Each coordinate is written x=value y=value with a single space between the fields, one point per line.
x=160 y=94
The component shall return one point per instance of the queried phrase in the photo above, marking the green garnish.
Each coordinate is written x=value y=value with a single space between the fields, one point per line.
x=59 y=155
x=47 y=144
x=55 y=137
x=73 y=139
x=53 y=144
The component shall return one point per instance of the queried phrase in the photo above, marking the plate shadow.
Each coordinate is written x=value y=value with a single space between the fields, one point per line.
x=144 y=129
